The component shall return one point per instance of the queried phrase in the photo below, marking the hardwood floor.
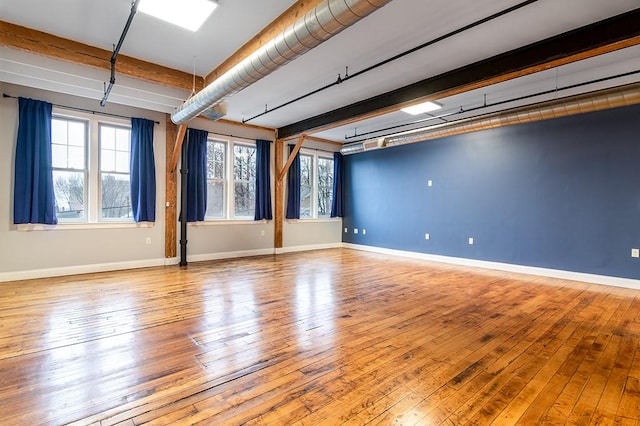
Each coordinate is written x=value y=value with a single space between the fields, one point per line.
x=318 y=338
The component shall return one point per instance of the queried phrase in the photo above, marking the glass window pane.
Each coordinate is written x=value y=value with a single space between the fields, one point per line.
x=59 y=156
x=107 y=161
x=325 y=186
x=69 y=190
x=116 y=201
x=122 y=162
x=59 y=131
x=76 y=158
x=215 y=199
x=107 y=137
x=244 y=172
x=305 y=201
x=215 y=160
x=244 y=198
x=123 y=139
x=244 y=163
x=306 y=176
x=77 y=133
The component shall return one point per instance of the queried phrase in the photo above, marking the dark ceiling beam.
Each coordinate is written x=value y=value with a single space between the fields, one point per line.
x=592 y=40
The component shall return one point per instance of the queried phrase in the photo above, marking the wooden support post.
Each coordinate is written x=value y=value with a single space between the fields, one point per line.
x=279 y=195
x=281 y=172
x=171 y=197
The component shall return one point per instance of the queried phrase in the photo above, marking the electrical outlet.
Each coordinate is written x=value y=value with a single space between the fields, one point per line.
x=429 y=182
x=262 y=233
x=355 y=230
x=346 y=230
x=635 y=252
x=470 y=241
x=427 y=236
x=147 y=241
x=364 y=232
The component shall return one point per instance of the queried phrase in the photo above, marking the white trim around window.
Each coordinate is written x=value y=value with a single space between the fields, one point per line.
x=231 y=173
x=316 y=185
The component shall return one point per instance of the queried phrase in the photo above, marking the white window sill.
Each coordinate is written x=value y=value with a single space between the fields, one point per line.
x=224 y=222
x=318 y=220
x=94 y=225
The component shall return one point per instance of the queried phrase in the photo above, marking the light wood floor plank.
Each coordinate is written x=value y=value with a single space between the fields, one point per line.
x=317 y=338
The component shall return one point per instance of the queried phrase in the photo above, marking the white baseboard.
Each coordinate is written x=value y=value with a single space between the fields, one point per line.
x=117 y=266
x=228 y=255
x=530 y=270
x=79 y=269
x=293 y=249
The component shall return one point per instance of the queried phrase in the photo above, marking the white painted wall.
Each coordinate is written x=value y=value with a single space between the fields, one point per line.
x=310 y=233
x=42 y=253
x=27 y=254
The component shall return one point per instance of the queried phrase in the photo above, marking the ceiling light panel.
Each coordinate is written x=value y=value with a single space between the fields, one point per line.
x=189 y=14
x=421 y=108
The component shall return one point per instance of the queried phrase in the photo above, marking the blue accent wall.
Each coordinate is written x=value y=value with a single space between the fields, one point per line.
x=561 y=194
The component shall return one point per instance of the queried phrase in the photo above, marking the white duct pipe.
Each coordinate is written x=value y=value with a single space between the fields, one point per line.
x=595 y=101
x=318 y=25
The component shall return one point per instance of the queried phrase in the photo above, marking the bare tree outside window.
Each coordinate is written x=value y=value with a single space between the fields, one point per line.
x=306 y=185
x=115 y=145
x=68 y=149
x=244 y=176
x=216 y=182
x=325 y=186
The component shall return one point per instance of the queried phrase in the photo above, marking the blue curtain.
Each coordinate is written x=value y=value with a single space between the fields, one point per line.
x=197 y=175
x=143 y=171
x=34 y=199
x=336 y=204
x=293 y=187
x=263 y=180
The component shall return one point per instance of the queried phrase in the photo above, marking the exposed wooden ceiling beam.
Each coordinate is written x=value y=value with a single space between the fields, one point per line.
x=602 y=37
x=288 y=17
x=41 y=43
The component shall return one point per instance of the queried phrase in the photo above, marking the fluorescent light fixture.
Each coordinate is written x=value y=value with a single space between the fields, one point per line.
x=421 y=108
x=189 y=14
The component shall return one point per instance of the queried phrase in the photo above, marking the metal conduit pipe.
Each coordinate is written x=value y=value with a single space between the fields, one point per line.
x=595 y=101
x=318 y=25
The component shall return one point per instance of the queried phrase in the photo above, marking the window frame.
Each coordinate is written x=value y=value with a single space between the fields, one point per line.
x=100 y=172
x=84 y=170
x=315 y=185
x=229 y=214
x=93 y=172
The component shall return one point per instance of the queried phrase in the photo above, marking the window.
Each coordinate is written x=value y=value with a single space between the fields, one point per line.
x=316 y=185
x=69 y=161
x=306 y=186
x=325 y=186
x=90 y=169
x=231 y=180
x=216 y=179
x=115 y=188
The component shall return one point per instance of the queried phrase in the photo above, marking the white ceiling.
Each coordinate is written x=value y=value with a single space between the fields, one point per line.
x=398 y=26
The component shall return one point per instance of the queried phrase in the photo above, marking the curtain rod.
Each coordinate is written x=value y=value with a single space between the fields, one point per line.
x=236 y=137
x=108 y=114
